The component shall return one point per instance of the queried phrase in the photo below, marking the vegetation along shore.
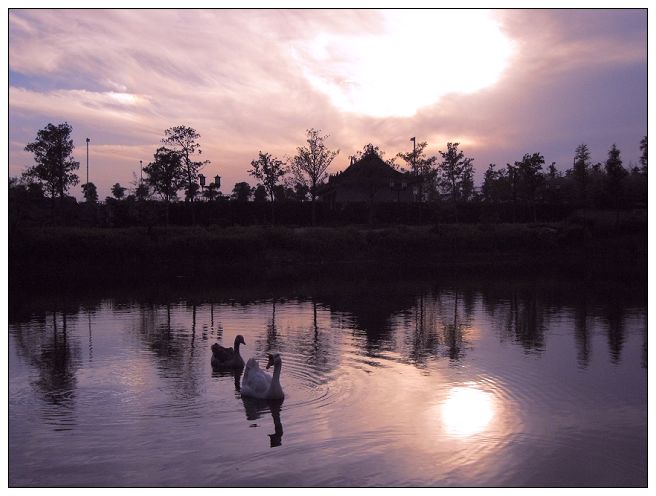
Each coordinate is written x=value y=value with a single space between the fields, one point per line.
x=71 y=255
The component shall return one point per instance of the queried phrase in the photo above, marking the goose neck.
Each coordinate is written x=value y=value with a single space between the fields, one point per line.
x=276 y=371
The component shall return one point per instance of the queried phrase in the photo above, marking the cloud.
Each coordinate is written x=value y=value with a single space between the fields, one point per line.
x=240 y=78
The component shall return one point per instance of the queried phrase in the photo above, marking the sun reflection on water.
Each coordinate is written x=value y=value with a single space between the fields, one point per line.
x=467 y=410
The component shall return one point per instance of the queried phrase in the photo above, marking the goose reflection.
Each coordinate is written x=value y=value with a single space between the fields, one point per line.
x=256 y=408
x=223 y=372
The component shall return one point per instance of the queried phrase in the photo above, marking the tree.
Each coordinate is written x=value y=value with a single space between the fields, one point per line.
x=643 y=156
x=496 y=185
x=301 y=192
x=259 y=194
x=553 y=173
x=211 y=192
x=455 y=174
x=142 y=191
x=90 y=192
x=184 y=141
x=310 y=165
x=53 y=153
x=580 y=170
x=165 y=174
x=368 y=149
x=422 y=167
x=528 y=178
x=614 y=184
x=118 y=191
x=284 y=193
x=191 y=191
x=268 y=170
x=22 y=197
x=553 y=182
x=241 y=192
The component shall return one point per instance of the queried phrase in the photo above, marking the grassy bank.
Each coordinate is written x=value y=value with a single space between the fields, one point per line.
x=78 y=255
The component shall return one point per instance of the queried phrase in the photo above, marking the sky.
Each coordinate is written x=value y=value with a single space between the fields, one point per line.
x=502 y=83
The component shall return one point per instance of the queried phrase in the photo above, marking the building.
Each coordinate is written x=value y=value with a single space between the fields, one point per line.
x=369 y=180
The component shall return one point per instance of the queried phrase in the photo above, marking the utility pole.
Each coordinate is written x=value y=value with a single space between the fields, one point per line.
x=88 y=160
x=414 y=154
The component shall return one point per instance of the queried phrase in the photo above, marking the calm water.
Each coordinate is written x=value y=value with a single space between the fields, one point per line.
x=490 y=383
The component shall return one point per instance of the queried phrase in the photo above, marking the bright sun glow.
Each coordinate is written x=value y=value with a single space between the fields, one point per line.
x=418 y=57
x=124 y=98
x=467 y=411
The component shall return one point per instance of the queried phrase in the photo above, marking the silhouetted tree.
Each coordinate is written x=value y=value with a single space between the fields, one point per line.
x=636 y=185
x=142 y=192
x=139 y=188
x=191 y=191
x=118 y=191
x=529 y=178
x=34 y=190
x=283 y=192
x=368 y=149
x=53 y=153
x=259 y=194
x=496 y=186
x=269 y=171
x=241 y=192
x=184 y=140
x=211 y=193
x=166 y=175
x=596 y=184
x=553 y=182
x=422 y=167
x=580 y=170
x=643 y=155
x=90 y=192
x=455 y=174
x=22 y=196
x=301 y=192
x=310 y=165
x=615 y=175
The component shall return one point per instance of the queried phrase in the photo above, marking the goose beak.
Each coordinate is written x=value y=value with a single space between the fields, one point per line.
x=270 y=362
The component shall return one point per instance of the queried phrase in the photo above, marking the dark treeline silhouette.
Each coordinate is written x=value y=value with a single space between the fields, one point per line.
x=288 y=190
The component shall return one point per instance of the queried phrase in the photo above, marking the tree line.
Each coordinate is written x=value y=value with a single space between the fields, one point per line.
x=445 y=179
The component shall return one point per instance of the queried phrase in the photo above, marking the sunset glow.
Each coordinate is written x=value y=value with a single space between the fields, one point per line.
x=467 y=411
x=415 y=59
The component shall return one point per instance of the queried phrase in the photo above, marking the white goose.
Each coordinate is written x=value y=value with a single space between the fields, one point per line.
x=256 y=383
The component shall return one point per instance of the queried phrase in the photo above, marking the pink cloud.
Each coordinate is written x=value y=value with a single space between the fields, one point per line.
x=121 y=77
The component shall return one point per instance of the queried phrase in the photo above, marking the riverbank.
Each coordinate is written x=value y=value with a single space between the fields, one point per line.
x=77 y=256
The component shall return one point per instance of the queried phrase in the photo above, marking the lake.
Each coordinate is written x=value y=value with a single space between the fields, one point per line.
x=488 y=381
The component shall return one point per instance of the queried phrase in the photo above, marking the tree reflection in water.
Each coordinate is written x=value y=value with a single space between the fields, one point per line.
x=57 y=365
x=453 y=324
x=417 y=322
x=614 y=316
x=234 y=373
x=173 y=349
x=582 y=332
x=53 y=354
